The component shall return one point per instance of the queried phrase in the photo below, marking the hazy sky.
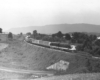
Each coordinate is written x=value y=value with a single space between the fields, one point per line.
x=22 y=13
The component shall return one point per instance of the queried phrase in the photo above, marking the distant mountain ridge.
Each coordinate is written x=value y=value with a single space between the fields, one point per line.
x=65 y=28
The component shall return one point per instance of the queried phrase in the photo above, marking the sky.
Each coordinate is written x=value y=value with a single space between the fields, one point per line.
x=23 y=13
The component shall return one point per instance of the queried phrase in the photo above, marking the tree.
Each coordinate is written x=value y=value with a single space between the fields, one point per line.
x=93 y=37
x=67 y=36
x=34 y=33
x=59 y=34
x=79 y=37
x=21 y=33
x=53 y=35
x=97 y=42
x=87 y=45
x=10 y=35
x=0 y=30
x=75 y=36
x=28 y=34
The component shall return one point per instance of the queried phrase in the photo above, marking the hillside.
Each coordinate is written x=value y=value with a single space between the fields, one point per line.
x=21 y=55
x=18 y=57
x=59 y=27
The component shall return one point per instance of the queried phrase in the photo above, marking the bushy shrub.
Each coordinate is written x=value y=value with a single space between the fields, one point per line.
x=10 y=35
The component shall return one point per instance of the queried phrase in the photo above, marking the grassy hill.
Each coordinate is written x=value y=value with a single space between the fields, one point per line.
x=22 y=55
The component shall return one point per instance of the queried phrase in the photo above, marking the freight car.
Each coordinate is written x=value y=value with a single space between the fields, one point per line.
x=60 y=45
x=52 y=45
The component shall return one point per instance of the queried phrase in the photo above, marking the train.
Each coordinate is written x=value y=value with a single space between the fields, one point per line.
x=53 y=45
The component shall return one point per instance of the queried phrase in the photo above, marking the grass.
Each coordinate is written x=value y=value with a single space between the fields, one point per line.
x=94 y=76
x=15 y=76
x=20 y=54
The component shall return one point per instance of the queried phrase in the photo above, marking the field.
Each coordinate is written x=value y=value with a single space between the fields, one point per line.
x=94 y=76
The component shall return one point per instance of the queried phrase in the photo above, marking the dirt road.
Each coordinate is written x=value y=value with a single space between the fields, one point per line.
x=12 y=74
x=19 y=74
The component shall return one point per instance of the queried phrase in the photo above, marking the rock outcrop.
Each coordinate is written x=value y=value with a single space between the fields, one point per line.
x=61 y=65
